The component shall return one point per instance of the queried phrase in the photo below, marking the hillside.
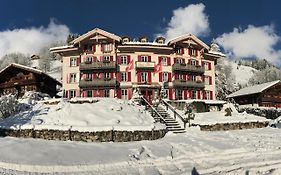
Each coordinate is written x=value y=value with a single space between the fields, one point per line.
x=242 y=73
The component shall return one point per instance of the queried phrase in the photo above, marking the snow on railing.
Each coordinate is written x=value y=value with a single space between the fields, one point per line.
x=176 y=114
x=154 y=110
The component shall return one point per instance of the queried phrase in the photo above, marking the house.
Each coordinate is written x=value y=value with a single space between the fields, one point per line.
x=16 y=78
x=95 y=65
x=261 y=95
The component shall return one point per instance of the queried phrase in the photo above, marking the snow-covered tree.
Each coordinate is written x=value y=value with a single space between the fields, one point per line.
x=8 y=105
x=266 y=75
x=15 y=58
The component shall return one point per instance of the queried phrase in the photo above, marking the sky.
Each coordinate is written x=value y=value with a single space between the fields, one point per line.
x=243 y=29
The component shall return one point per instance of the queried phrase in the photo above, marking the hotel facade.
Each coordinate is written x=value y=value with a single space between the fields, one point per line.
x=101 y=64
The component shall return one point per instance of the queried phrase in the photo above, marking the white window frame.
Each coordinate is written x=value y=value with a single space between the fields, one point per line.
x=193 y=62
x=72 y=78
x=89 y=59
x=89 y=76
x=123 y=60
x=124 y=94
x=206 y=65
x=124 y=76
x=73 y=62
x=89 y=92
x=144 y=77
x=106 y=75
x=165 y=76
x=144 y=58
x=107 y=48
x=179 y=60
x=193 y=52
x=193 y=94
x=106 y=58
x=207 y=80
x=178 y=94
x=207 y=95
x=106 y=93
x=72 y=93
x=164 y=61
x=193 y=77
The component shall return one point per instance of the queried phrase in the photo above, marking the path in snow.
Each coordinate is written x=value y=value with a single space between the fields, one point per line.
x=230 y=152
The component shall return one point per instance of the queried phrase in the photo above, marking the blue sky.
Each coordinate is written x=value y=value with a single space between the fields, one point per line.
x=138 y=18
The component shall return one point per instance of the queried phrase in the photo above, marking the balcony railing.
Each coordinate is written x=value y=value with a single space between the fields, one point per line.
x=188 y=84
x=105 y=65
x=188 y=68
x=106 y=83
x=144 y=65
x=22 y=82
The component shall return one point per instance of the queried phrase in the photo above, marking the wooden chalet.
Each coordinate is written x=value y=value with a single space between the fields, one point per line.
x=16 y=78
x=261 y=95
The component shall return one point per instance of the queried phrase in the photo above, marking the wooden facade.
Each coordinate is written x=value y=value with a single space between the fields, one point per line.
x=16 y=78
x=269 y=97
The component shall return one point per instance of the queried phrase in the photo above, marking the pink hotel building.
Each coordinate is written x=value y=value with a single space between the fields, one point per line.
x=94 y=65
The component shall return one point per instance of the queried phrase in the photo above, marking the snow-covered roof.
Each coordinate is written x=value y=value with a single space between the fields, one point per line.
x=210 y=102
x=217 y=53
x=28 y=69
x=62 y=47
x=253 y=89
x=193 y=37
x=146 y=43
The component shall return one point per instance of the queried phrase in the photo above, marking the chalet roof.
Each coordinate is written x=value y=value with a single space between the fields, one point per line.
x=96 y=30
x=253 y=89
x=189 y=36
x=37 y=71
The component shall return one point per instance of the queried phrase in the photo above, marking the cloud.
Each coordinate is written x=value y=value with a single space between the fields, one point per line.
x=190 y=19
x=253 y=42
x=31 y=40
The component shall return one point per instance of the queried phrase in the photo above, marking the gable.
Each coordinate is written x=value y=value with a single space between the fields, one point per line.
x=189 y=39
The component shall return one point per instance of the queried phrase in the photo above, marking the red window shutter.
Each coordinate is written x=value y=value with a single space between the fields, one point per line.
x=77 y=61
x=182 y=50
x=209 y=66
x=111 y=58
x=176 y=76
x=204 y=94
x=111 y=74
x=118 y=93
x=196 y=52
x=128 y=59
x=159 y=59
x=139 y=76
x=95 y=59
x=198 y=94
x=101 y=58
x=101 y=94
x=139 y=57
x=185 y=77
x=169 y=77
x=170 y=94
x=185 y=94
x=149 y=77
x=210 y=80
x=129 y=93
x=169 y=61
x=188 y=51
x=175 y=60
x=94 y=76
x=129 y=76
x=188 y=61
x=149 y=58
x=211 y=95
x=77 y=93
x=197 y=62
x=118 y=76
x=101 y=47
x=119 y=59
x=93 y=47
x=160 y=76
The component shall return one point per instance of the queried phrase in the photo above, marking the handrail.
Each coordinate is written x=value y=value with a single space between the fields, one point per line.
x=175 y=112
x=154 y=110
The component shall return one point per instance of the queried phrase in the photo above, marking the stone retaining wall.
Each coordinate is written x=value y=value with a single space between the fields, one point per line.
x=233 y=126
x=99 y=136
x=269 y=113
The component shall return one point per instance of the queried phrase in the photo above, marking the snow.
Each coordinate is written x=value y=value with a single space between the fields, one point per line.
x=217 y=53
x=146 y=43
x=242 y=74
x=103 y=114
x=253 y=89
x=256 y=151
x=61 y=47
x=56 y=70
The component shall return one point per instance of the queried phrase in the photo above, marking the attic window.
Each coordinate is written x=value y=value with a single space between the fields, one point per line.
x=160 y=41
x=143 y=40
x=125 y=40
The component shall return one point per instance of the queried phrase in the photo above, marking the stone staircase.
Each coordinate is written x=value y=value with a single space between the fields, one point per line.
x=171 y=124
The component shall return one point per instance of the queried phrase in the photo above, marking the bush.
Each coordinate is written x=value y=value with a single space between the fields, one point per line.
x=228 y=112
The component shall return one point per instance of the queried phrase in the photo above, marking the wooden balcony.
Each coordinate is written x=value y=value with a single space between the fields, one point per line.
x=188 y=68
x=188 y=84
x=104 y=83
x=145 y=65
x=22 y=82
x=105 y=65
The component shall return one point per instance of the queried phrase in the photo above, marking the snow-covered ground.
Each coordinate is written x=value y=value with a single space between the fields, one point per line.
x=257 y=151
x=242 y=73
x=103 y=114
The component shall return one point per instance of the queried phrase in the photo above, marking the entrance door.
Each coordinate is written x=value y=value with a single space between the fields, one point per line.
x=147 y=94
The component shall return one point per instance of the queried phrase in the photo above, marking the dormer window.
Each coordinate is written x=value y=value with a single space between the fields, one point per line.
x=125 y=39
x=143 y=40
x=160 y=40
x=193 y=52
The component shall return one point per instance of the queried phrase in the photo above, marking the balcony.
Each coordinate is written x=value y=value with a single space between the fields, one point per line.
x=104 y=83
x=22 y=82
x=188 y=68
x=188 y=84
x=145 y=65
x=105 y=65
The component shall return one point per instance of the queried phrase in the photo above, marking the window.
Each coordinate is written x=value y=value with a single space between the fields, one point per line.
x=106 y=58
x=193 y=94
x=192 y=61
x=144 y=59
x=144 y=76
x=143 y=40
x=72 y=78
x=178 y=94
x=193 y=77
x=207 y=80
x=207 y=95
x=125 y=40
x=89 y=77
x=106 y=75
x=72 y=93
x=193 y=52
x=73 y=62
x=89 y=93
x=180 y=76
x=107 y=48
x=124 y=60
x=165 y=76
x=164 y=61
x=124 y=94
x=179 y=60
x=89 y=59
x=123 y=76
x=178 y=50
x=106 y=93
